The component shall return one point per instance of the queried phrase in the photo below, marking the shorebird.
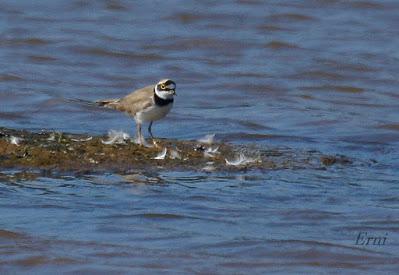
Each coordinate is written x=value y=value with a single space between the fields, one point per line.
x=147 y=104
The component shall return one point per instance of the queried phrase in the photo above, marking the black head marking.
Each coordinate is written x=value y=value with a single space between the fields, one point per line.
x=160 y=101
x=168 y=82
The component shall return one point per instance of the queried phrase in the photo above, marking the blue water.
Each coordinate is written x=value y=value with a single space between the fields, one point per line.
x=303 y=75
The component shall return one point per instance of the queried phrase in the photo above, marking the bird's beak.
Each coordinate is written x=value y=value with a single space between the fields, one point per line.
x=174 y=92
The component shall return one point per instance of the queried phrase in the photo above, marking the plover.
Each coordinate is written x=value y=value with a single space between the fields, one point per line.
x=147 y=104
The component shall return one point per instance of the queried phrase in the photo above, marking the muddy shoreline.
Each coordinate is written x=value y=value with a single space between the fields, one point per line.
x=79 y=153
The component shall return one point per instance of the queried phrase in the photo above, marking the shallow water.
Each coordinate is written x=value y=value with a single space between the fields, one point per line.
x=309 y=75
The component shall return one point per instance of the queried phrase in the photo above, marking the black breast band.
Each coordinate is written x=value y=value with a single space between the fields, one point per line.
x=160 y=101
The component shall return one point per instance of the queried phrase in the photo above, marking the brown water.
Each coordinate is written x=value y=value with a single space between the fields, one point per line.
x=315 y=75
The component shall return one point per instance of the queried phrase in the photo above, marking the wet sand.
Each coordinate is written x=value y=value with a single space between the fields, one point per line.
x=63 y=152
x=299 y=85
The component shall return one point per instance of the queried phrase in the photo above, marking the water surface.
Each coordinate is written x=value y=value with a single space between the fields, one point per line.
x=314 y=75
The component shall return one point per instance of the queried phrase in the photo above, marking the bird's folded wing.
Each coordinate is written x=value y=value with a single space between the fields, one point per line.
x=137 y=100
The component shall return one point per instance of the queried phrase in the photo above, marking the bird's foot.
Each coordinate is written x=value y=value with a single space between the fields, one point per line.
x=155 y=143
x=142 y=142
x=137 y=141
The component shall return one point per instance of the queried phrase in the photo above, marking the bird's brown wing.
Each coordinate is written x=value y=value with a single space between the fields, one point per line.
x=136 y=101
x=133 y=102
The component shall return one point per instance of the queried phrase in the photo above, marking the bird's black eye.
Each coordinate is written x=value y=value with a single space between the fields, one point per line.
x=162 y=86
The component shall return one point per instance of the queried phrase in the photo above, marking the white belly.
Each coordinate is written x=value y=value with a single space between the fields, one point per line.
x=153 y=113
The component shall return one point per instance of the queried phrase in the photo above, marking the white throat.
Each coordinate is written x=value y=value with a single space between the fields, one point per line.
x=163 y=94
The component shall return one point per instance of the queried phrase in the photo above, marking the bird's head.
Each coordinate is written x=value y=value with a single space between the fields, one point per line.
x=165 y=89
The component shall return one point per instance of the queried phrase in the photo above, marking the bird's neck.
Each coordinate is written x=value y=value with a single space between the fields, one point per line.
x=159 y=101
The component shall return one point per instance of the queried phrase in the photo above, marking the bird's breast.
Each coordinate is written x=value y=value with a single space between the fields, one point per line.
x=154 y=112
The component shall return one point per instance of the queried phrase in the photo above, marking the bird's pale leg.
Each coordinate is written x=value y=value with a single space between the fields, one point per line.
x=139 y=136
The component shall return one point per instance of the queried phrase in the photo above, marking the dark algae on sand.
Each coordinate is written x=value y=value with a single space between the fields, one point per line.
x=59 y=151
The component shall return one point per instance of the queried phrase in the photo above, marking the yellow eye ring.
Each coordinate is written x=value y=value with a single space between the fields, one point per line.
x=163 y=86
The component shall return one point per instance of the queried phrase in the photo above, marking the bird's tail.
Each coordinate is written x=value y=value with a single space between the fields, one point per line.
x=109 y=103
